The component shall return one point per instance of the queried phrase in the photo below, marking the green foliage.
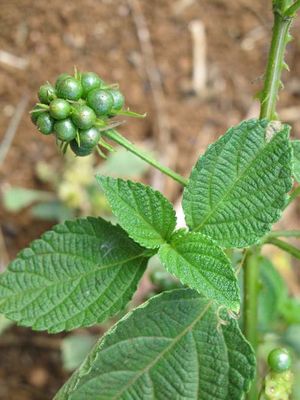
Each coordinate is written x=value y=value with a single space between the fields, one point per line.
x=74 y=349
x=182 y=344
x=296 y=159
x=238 y=188
x=290 y=310
x=51 y=211
x=173 y=347
x=123 y=164
x=145 y=214
x=4 y=324
x=84 y=271
x=272 y=294
x=198 y=262
x=16 y=198
x=78 y=274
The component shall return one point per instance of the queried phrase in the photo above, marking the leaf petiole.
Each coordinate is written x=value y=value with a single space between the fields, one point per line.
x=118 y=138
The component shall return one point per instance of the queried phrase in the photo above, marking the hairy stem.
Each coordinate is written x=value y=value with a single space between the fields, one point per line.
x=268 y=97
x=251 y=289
x=118 y=138
x=275 y=65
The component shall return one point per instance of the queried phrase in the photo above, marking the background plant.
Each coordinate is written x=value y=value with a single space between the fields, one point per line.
x=72 y=190
x=263 y=143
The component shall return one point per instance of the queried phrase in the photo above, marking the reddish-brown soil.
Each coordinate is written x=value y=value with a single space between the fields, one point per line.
x=101 y=36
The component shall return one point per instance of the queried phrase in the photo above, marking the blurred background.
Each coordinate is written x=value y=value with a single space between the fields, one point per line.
x=194 y=66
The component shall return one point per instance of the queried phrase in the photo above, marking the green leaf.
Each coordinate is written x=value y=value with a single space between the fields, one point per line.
x=290 y=310
x=76 y=275
x=296 y=159
x=4 y=323
x=144 y=213
x=238 y=188
x=198 y=262
x=272 y=294
x=123 y=164
x=75 y=348
x=52 y=211
x=172 y=347
x=17 y=198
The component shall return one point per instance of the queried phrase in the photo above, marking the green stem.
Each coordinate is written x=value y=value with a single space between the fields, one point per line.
x=269 y=96
x=118 y=138
x=275 y=234
x=275 y=64
x=284 y=246
x=291 y=11
x=251 y=289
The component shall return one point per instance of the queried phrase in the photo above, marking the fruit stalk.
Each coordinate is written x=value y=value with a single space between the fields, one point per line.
x=118 y=138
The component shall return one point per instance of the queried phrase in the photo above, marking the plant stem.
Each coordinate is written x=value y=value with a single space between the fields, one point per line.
x=269 y=96
x=284 y=246
x=291 y=11
x=275 y=64
x=251 y=289
x=118 y=138
x=275 y=234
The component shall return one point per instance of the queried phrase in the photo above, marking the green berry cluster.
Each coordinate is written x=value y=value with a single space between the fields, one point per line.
x=76 y=109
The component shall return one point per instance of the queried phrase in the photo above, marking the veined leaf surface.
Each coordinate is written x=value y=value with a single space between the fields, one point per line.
x=76 y=275
x=296 y=159
x=144 y=213
x=171 y=348
x=238 y=188
x=201 y=264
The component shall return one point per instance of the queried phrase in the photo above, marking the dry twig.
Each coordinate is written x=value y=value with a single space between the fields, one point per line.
x=12 y=128
x=197 y=30
x=13 y=61
x=159 y=102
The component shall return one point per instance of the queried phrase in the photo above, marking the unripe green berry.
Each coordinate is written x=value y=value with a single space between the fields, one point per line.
x=35 y=113
x=59 y=109
x=89 y=137
x=118 y=98
x=45 y=123
x=101 y=101
x=90 y=81
x=83 y=117
x=46 y=93
x=65 y=130
x=69 y=89
x=61 y=78
x=279 y=360
x=80 y=151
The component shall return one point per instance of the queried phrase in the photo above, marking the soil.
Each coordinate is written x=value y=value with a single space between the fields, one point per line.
x=101 y=36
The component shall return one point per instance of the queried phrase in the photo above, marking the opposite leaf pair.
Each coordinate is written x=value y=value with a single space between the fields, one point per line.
x=176 y=345
x=195 y=259
x=236 y=191
x=84 y=271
